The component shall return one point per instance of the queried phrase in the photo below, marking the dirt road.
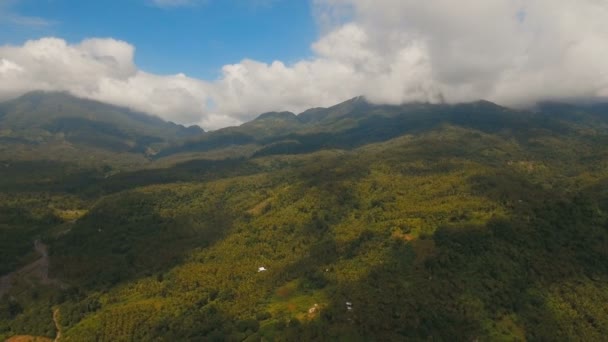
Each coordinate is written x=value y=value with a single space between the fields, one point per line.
x=56 y=314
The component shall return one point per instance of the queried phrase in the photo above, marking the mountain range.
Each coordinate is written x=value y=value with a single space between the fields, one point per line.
x=42 y=118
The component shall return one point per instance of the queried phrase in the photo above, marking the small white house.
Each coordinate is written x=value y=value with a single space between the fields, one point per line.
x=262 y=269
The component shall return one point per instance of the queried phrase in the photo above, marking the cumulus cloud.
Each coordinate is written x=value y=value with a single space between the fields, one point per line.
x=513 y=52
x=101 y=69
x=510 y=51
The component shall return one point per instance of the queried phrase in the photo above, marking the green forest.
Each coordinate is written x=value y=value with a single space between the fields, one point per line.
x=357 y=222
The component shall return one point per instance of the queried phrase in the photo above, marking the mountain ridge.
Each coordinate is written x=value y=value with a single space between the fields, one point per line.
x=56 y=119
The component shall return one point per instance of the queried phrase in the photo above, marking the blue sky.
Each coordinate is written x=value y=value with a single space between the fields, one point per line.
x=196 y=39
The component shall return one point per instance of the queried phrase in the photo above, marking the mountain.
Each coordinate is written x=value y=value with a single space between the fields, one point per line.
x=351 y=107
x=356 y=222
x=357 y=122
x=58 y=118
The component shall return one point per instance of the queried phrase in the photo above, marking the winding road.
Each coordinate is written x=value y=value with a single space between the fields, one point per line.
x=56 y=315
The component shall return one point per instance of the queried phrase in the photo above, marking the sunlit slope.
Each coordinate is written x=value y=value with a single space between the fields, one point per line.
x=454 y=233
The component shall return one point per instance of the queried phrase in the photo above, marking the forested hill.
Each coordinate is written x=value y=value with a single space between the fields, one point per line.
x=59 y=126
x=356 y=222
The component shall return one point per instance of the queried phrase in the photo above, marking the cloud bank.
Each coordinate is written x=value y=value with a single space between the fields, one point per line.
x=514 y=52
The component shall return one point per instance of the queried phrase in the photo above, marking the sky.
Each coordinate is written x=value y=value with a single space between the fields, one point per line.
x=217 y=63
x=192 y=37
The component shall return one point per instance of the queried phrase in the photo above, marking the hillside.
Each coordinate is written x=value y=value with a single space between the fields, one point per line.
x=414 y=222
x=65 y=128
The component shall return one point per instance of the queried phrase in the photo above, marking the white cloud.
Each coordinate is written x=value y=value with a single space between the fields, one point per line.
x=100 y=69
x=510 y=51
x=513 y=52
x=7 y=66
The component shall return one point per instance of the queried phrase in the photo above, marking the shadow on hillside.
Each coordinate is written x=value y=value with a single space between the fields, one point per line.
x=124 y=238
x=55 y=176
x=45 y=176
x=201 y=170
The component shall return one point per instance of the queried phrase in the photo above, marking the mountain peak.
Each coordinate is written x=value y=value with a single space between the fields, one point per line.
x=56 y=117
x=354 y=105
x=276 y=116
x=354 y=102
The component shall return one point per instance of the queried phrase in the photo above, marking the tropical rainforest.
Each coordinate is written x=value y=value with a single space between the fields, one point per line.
x=358 y=222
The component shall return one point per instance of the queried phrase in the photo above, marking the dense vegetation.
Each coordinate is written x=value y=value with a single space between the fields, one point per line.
x=467 y=222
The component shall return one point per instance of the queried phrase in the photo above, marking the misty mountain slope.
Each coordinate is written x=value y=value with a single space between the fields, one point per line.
x=53 y=118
